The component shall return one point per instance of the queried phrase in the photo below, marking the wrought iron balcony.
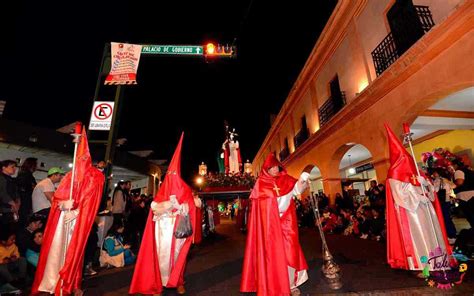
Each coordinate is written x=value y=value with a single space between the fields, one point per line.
x=284 y=154
x=301 y=137
x=330 y=108
x=386 y=53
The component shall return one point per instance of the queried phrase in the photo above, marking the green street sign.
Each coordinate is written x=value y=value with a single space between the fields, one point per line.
x=173 y=49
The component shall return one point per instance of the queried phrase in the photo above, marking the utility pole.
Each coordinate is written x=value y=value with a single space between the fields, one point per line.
x=111 y=139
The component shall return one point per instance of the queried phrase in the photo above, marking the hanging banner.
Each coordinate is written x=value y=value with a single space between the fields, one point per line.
x=101 y=117
x=124 y=66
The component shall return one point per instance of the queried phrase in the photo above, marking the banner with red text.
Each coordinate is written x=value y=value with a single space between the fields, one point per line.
x=124 y=64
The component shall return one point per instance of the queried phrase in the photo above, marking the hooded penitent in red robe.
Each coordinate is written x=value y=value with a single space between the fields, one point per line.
x=415 y=225
x=147 y=277
x=197 y=232
x=87 y=191
x=272 y=240
x=242 y=214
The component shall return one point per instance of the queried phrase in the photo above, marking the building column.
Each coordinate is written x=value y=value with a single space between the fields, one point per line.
x=331 y=187
x=381 y=169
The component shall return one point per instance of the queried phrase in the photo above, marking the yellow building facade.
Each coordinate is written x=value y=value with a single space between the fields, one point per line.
x=376 y=62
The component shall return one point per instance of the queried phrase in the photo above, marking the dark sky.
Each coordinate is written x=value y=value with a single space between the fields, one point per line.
x=52 y=53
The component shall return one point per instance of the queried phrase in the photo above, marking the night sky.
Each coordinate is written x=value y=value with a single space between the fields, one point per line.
x=52 y=52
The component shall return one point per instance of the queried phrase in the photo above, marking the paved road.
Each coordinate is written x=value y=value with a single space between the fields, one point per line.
x=215 y=265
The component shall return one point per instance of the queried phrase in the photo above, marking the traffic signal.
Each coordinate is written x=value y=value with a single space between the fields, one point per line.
x=221 y=51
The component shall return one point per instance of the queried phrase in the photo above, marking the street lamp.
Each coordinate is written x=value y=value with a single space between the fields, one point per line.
x=248 y=167
x=199 y=182
x=203 y=169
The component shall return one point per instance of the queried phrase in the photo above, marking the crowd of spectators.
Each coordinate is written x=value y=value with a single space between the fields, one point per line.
x=24 y=209
x=361 y=217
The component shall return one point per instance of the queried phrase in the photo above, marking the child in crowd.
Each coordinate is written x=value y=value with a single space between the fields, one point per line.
x=329 y=221
x=12 y=266
x=33 y=250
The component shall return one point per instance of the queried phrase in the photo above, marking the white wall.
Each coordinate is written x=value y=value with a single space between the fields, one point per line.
x=49 y=161
x=142 y=183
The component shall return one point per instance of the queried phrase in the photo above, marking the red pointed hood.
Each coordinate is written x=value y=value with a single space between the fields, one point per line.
x=82 y=164
x=270 y=162
x=173 y=184
x=402 y=166
x=83 y=157
x=175 y=164
x=264 y=187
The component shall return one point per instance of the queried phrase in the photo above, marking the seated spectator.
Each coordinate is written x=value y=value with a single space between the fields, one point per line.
x=25 y=235
x=364 y=216
x=377 y=224
x=350 y=222
x=12 y=266
x=33 y=250
x=329 y=221
x=114 y=252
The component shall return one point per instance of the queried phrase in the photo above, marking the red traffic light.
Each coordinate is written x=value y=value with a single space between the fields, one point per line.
x=220 y=51
x=210 y=49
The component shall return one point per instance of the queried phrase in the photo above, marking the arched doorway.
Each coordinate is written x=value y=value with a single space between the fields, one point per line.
x=356 y=170
x=442 y=132
x=448 y=124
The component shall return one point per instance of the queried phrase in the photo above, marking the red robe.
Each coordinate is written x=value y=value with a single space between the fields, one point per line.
x=147 y=276
x=399 y=243
x=197 y=231
x=265 y=270
x=399 y=246
x=240 y=224
x=87 y=192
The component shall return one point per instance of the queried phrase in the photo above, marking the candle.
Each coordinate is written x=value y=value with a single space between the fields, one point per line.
x=78 y=128
x=406 y=128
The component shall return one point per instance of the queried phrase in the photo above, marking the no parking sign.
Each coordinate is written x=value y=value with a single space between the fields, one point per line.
x=101 y=117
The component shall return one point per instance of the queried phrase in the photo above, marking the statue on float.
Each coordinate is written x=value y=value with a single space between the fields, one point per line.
x=231 y=152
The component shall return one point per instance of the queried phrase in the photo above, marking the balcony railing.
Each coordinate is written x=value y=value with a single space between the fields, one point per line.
x=330 y=108
x=386 y=52
x=425 y=16
x=284 y=154
x=301 y=137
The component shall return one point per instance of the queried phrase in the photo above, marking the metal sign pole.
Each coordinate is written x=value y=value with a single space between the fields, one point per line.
x=110 y=150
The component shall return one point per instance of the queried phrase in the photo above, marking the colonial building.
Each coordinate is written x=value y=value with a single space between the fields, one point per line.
x=376 y=62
